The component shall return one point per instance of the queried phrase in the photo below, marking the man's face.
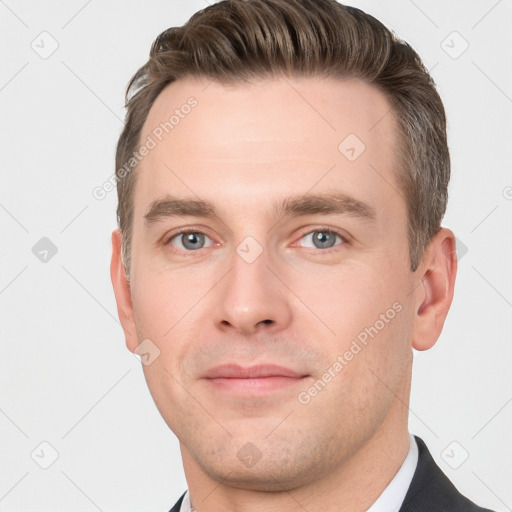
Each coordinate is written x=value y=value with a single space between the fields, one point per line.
x=284 y=242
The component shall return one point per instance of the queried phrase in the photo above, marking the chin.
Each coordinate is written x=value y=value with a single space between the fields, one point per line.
x=265 y=479
x=272 y=469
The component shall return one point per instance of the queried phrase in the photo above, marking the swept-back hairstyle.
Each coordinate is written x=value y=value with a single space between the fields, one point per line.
x=236 y=41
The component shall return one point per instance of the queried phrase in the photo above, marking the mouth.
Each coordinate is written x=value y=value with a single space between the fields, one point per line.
x=254 y=381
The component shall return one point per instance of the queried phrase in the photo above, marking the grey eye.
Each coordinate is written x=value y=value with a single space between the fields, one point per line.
x=322 y=239
x=190 y=241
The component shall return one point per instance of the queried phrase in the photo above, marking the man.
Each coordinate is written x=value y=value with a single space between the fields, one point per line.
x=282 y=177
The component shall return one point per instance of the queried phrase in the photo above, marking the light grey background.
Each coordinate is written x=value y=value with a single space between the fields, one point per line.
x=66 y=377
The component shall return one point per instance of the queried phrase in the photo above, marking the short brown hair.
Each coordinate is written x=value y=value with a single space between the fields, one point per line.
x=236 y=41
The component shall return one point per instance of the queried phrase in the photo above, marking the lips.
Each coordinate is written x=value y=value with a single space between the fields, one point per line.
x=262 y=371
x=254 y=381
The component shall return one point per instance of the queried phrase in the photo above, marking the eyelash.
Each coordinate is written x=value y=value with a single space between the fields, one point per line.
x=184 y=231
x=343 y=237
x=324 y=229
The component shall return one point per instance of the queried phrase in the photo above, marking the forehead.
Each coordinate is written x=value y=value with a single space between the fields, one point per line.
x=273 y=136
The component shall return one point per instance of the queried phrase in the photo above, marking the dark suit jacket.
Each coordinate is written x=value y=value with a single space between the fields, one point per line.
x=430 y=489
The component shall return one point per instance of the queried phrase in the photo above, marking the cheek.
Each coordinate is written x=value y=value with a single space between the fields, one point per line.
x=162 y=300
x=366 y=323
x=383 y=366
x=166 y=308
x=375 y=359
x=163 y=309
x=166 y=395
x=353 y=301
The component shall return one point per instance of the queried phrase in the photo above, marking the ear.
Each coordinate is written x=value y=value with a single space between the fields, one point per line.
x=122 y=292
x=434 y=294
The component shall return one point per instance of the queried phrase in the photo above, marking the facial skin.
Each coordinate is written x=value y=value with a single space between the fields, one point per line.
x=244 y=150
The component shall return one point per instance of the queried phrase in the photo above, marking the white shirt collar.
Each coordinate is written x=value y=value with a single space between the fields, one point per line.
x=393 y=495
x=391 y=498
x=185 y=504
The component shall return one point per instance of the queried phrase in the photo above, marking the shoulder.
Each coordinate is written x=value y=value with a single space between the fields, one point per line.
x=431 y=487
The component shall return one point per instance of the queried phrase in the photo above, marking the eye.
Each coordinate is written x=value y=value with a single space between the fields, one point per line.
x=190 y=241
x=321 y=239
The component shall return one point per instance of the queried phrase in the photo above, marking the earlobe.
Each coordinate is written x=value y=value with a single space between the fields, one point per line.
x=437 y=272
x=122 y=292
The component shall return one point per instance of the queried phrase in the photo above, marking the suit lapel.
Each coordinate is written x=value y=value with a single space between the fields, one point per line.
x=430 y=488
x=177 y=505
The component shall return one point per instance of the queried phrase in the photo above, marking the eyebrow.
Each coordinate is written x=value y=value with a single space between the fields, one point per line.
x=171 y=206
x=335 y=203
x=308 y=204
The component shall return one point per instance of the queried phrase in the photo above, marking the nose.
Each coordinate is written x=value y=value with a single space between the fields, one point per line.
x=251 y=298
